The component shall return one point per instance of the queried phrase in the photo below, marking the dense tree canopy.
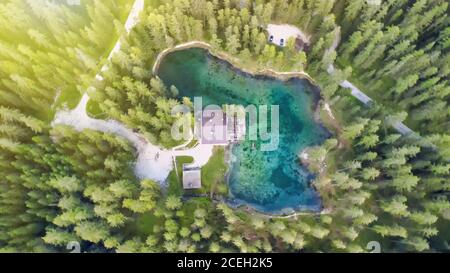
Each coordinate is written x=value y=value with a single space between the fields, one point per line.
x=59 y=185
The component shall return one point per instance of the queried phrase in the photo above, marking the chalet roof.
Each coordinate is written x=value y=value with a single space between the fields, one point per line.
x=214 y=127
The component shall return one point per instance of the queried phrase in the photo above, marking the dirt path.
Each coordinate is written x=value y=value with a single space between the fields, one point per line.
x=153 y=162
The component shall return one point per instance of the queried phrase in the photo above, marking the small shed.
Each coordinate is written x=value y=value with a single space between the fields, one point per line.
x=191 y=178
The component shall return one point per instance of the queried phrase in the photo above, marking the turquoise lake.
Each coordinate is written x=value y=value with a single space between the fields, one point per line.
x=271 y=181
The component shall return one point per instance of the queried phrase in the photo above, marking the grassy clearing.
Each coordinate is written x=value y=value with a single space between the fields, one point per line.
x=175 y=182
x=192 y=144
x=213 y=174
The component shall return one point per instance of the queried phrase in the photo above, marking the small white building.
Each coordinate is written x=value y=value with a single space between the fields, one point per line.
x=192 y=178
x=218 y=129
x=221 y=129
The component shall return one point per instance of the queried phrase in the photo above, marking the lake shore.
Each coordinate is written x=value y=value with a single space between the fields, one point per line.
x=295 y=78
x=319 y=104
x=283 y=76
x=237 y=66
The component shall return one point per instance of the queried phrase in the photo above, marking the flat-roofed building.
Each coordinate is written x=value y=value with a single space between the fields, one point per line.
x=214 y=127
x=192 y=178
x=220 y=129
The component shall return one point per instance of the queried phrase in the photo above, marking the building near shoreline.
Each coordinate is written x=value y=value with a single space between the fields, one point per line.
x=221 y=129
x=217 y=128
x=192 y=178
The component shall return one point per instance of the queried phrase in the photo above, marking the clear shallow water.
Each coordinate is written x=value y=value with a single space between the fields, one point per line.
x=268 y=181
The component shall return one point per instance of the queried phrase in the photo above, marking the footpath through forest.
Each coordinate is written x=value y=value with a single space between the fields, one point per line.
x=360 y=95
x=153 y=162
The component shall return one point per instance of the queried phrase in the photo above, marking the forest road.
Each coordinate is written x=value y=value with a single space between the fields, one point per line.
x=360 y=95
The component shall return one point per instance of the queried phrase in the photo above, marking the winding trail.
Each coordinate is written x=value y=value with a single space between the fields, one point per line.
x=360 y=95
x=153 y=162
x=132 y=20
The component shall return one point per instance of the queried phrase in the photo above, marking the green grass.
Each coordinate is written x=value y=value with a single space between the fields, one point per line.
x=444 y=232
x=213 y=174
x=339 y=10
x=192 y=144
x=175 y=183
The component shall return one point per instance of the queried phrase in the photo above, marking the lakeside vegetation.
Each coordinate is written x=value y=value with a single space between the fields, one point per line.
x=59 y=185
x=212 y=176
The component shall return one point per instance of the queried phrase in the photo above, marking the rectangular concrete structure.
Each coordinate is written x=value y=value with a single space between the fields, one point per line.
x=192 y=178
x=218 y=128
